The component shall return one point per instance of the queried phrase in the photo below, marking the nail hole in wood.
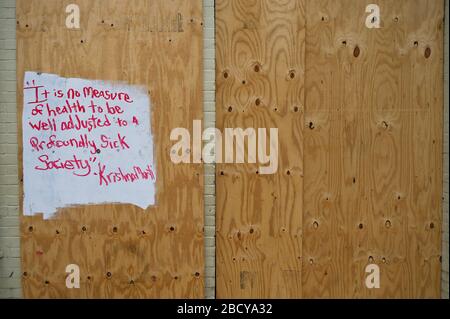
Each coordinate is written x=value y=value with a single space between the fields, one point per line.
x=295 y=108
x=114 y=229
x=388 y=224
x=108 y=274
x=311 y=125
x=360 y=226
x=257 y=102
x=230 y=108
x=30 y=229
x=225 y=75
x=431 y=225
x=356 y=52
x=83 y=228
x=427 y=53
x=256 y=68
x=316 y=225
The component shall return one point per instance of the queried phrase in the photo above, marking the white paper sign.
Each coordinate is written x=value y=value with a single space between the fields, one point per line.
x=85 y=142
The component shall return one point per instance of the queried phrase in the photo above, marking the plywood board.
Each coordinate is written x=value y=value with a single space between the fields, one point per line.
x=260 y=69
x=367 y=145
x=122 y=250
x=373 y=146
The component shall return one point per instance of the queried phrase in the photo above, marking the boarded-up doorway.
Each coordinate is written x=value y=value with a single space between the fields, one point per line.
x=359 y=181
x=121 y=250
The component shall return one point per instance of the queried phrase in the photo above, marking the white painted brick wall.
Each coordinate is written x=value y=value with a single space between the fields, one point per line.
x=9 y=214
x=209 y=120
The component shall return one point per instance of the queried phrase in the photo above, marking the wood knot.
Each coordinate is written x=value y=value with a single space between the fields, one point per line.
x=291 y=74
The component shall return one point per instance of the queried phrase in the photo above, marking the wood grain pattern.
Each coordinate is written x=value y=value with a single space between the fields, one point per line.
x=153 y=253
x=260 y=68
x=369 y=146
x=373 y=171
